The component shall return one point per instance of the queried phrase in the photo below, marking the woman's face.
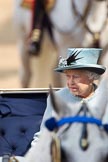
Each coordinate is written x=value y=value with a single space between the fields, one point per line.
x=79 y=83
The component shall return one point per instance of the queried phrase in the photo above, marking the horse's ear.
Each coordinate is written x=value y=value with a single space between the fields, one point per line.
x=59 y=106
x=105 y=99
x=100 y=99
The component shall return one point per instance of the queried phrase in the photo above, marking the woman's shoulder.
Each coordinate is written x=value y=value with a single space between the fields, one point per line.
x=63 y=92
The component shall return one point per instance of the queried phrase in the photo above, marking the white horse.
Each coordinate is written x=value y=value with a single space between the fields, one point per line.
x=70 y=140
x=75 y=24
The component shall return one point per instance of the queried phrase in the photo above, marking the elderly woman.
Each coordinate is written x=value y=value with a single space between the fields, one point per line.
x=81 y=69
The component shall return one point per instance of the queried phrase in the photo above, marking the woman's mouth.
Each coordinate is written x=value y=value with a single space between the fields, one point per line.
x=74 y=89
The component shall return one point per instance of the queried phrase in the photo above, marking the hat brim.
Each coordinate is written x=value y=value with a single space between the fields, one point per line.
x=99 y=69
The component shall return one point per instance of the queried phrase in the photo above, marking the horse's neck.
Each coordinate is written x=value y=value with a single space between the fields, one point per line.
x=95 y=16
x=41 y=150
x=63 y=16
x=98 y=103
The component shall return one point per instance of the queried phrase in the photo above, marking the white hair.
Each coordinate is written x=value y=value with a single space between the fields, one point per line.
x=92 y=75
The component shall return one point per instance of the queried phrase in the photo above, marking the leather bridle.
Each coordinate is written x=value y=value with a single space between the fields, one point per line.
x=53 y=125
x=83 y=20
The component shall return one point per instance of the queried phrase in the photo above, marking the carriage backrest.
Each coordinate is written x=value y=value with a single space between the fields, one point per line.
x=21 y=113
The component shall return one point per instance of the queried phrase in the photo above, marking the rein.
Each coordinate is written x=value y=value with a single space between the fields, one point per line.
x=83 y=18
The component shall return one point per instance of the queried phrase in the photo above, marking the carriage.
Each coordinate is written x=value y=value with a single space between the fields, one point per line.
x=21 y=113
x=97 y=133
x=77 y=131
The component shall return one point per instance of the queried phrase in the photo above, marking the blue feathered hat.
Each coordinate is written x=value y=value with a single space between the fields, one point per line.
x=81 y=58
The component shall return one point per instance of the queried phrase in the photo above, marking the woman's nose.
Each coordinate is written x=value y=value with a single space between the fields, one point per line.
x=72 y=80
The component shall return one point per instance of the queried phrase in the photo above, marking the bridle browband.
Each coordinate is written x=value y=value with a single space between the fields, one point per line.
x=52 y=123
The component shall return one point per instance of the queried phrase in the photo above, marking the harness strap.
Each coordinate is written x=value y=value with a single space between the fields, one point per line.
x=53 y=124
x=96 y=34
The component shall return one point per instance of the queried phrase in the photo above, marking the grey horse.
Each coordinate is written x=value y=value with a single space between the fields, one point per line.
x=76 y=133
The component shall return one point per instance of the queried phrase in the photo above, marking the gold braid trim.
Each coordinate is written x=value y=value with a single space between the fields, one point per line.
x=36 y=35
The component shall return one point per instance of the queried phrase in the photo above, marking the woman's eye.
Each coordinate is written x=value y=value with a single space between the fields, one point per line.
x=68 y=76
x=76 y=76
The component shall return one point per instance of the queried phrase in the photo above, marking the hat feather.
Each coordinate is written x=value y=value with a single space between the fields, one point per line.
x=73 y=56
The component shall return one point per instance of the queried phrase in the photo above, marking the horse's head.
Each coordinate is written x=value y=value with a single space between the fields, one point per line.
x=80 y=130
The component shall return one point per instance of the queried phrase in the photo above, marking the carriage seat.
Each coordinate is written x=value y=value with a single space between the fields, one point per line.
x=21 y=113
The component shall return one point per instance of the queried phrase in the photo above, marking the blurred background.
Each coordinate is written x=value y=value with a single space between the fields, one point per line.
x=9 y=60
x=65 y=35
x=9 y=56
